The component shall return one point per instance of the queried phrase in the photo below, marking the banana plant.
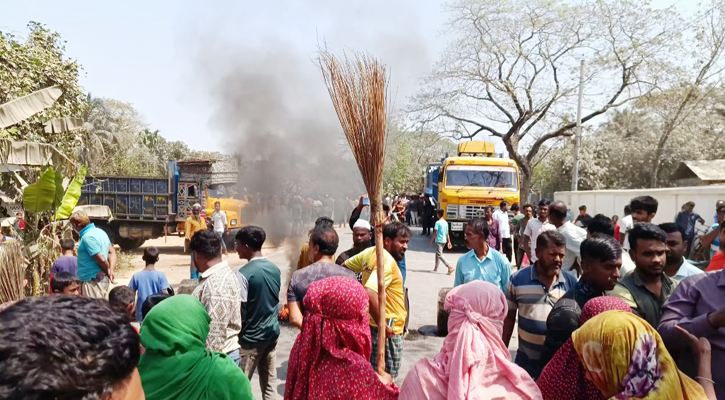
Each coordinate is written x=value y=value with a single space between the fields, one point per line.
x=47 y=193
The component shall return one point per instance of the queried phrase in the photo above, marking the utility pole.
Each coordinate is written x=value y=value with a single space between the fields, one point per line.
x=577 y=139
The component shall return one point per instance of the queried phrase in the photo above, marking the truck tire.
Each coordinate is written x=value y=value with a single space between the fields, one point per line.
x=129 y=243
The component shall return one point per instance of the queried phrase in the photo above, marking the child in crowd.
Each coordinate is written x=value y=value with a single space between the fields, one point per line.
x=65 y=283
x=122 y=300
x=68 y=261
x=149 y=281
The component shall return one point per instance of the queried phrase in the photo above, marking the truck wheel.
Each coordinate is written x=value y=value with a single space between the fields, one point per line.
x=129 y=243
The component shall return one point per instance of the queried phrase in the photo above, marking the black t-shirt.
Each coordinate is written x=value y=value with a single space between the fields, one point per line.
x=303 y=278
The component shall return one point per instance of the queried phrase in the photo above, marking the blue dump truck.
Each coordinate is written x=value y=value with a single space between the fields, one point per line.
x=142 y=208
x=147 y=208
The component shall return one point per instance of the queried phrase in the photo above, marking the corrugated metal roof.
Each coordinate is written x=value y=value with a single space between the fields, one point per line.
x=706 y=170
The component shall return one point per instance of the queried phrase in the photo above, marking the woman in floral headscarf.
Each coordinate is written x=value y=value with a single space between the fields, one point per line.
x=564 y=377
x=474 y=363
x=331 y=356
x=625 y=358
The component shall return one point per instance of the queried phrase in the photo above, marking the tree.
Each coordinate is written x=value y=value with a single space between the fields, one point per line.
x=697 y=78
x=34 y=63
x=407 y=155
x=511 y=72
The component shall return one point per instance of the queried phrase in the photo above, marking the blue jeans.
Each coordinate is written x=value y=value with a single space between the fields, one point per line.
x=234 y=355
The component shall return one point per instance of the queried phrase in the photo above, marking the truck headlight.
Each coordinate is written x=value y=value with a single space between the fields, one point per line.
x=452 y=211
x=233 y=222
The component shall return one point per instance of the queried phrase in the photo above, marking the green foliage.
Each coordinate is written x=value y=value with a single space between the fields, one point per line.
x=33 y=63
x=39 y=196
x=72 y=194
x=407 y=155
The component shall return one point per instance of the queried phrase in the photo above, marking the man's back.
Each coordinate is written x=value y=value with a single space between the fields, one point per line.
x=219 y=291
x=302 y=279
x=259 y=313
x=93 y=241
x=65 y=264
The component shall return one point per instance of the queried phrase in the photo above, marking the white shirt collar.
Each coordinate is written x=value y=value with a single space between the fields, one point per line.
x=216 y=268
x=257 y=258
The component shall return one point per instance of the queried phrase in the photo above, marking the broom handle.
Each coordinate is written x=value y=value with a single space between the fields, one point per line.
x=381 y=297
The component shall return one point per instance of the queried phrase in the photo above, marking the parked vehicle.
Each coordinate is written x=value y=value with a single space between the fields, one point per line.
x=147 y=208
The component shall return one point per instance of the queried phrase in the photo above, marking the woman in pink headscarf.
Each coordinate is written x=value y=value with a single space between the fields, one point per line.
x=473 y=363
x=331 y=356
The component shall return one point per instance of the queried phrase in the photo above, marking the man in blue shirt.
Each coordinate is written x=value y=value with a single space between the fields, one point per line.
x=442 y=239
x=686 y=220
x=96 y=257
x=482 y=262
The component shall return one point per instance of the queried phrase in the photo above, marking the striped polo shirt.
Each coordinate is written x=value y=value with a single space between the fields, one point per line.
x=534 y=301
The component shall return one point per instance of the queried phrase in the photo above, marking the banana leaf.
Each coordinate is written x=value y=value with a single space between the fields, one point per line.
x=72 y=194
x=25 y=107
x=59 y=192
x=39 y=196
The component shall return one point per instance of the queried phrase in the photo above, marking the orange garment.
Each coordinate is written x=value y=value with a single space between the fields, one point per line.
x=717 y=262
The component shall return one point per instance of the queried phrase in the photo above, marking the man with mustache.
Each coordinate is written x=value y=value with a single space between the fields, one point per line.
x=532 y=292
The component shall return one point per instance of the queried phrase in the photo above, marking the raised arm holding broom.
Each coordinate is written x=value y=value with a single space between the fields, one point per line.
x=358 y=91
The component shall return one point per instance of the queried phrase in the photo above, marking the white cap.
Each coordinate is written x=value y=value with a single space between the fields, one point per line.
x=197 y=205
x=361 y=223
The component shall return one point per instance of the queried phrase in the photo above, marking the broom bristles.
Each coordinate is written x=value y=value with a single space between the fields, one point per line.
x=358 y=90
x=12 y=272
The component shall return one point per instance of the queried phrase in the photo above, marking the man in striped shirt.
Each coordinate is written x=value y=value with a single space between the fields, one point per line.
x=533 y=291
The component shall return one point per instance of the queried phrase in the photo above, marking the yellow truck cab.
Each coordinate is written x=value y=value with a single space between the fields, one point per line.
x=207 y=181
x=473 y=180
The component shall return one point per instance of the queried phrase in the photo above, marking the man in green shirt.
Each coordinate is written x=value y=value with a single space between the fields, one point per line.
x=260 y=326
x=648 y=286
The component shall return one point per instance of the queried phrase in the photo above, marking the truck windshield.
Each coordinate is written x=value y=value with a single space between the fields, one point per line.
x=482 y=176
x=223 y=191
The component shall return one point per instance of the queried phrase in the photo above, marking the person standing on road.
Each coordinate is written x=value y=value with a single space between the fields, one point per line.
x=194 y=223
x=643 y=209
x=361 y=237
x=221 y=293
x=502 y=216
x=442 y=240
x=528 y=213
x=473 y=362
x=219 y=222
x=532 y=292
x=686 y=219
x=396 y=237
x=494 y=229
x=625 y=226
x=535 y=227
x=482 y=262
x=676 y=265
x=96 y=257
x=330 y=358
x=698 y=306
x=601 y=258
x=323 y=245
x=582 y=220
x=260 y=326
x=573 y=234
x=647 y=287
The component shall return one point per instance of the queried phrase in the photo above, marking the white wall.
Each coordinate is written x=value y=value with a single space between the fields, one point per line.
x=611 y=202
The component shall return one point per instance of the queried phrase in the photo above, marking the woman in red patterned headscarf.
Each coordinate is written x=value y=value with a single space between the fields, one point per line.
x=331 y=356
x=564 y=378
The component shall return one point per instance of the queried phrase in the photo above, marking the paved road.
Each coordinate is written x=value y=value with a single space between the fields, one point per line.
x=423 y=285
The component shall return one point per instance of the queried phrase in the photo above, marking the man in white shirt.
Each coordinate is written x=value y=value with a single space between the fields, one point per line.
x=219 y=221
x=502 y=216
x=625 y=225
x=534 y=228
x=573 y=234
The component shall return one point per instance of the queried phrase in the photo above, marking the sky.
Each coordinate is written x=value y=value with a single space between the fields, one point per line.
x=167 y=57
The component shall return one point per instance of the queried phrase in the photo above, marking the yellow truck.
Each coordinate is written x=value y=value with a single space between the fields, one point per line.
x=473 y=180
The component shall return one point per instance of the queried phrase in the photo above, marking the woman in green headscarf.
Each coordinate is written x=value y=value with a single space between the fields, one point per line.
x=177 y=365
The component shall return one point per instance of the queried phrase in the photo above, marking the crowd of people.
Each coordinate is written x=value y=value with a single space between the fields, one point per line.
x=605 y=309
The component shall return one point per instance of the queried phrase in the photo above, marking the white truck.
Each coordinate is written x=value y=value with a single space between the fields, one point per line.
x=612 y=202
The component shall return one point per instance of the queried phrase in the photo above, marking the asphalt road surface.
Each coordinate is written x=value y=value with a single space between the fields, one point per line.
x=423 y=286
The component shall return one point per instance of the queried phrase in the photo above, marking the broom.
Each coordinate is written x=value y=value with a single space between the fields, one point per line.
x=12 y=272
x=358 y=91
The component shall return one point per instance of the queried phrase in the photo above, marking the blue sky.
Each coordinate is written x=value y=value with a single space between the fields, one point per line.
x=162 y=56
